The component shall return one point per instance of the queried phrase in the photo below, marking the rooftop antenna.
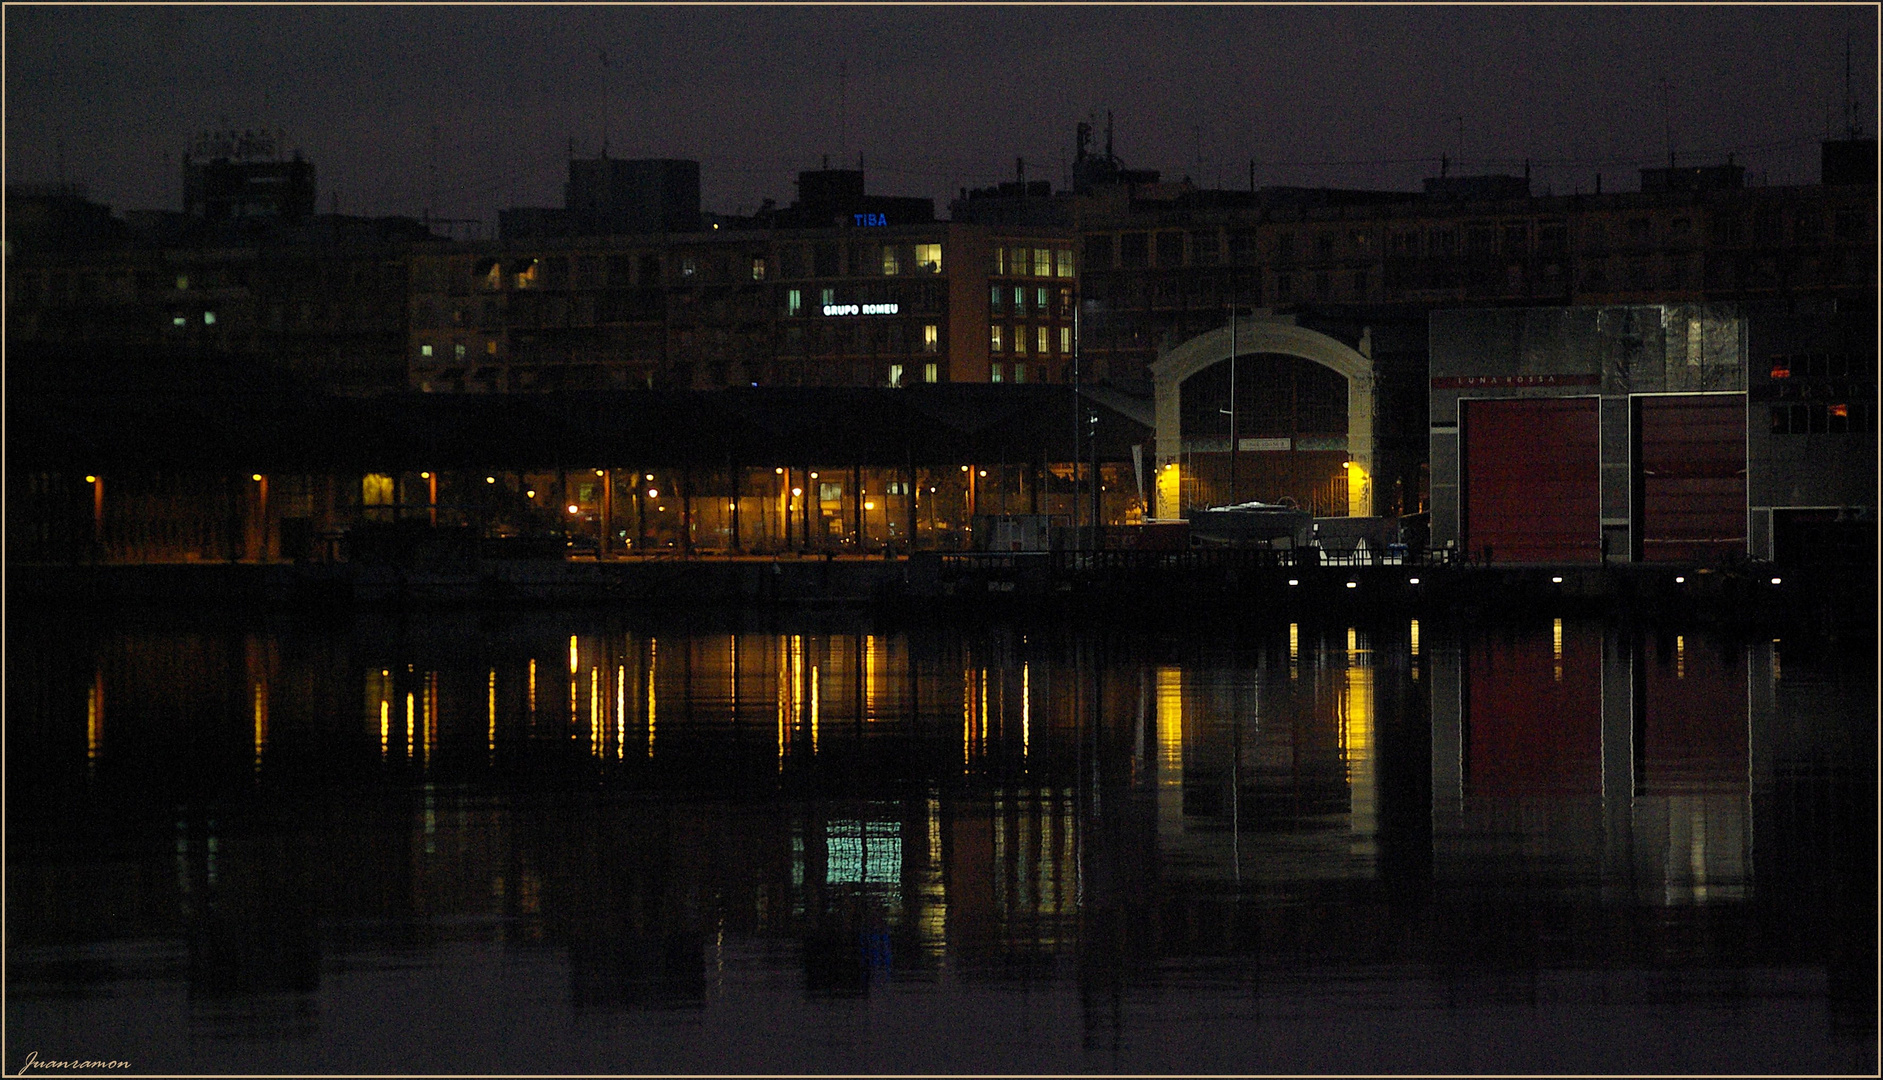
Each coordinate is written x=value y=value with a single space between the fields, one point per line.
x=843 y=105
x=1460 y=121
x=1852 y=129
x=1667 y=119
x=604 y=57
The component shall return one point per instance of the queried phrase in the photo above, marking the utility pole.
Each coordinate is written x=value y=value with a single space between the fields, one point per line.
x=1235 y=444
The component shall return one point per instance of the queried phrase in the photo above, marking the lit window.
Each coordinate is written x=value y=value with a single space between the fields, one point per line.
x=424 y=350
x=758 y=269
x=458 y=351
x=1000 y=260
x=1017 y=261
x=1019 y=299
x=689 y=266
x=895 y=374
x=994 y=373
x=827 y=492
x=1019 y=373
x=931 y=340
x=993 y=337
x=891 y=263
x=1042 y=262
x=490 y=348
x=1019 y=340
x=183 y=282
x=1040 y=300
x=996 y=297
x=928 y=258
x=829 y=296
x=526 y=277
x=1041 y=340
x=794 y=302
x=1065 y=339
x=931 y=372
x=178 y=321
x=1065 y=262
x=209 y=318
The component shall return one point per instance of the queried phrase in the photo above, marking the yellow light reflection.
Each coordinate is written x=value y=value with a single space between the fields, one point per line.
x=813 y=710
x=1680 y=656
x=653 y=702
x=385 y=727
x=1557 y=649
x=530 y=702
x=428 y=714
x=967 y=717
x=621 y=711
x=869 y=677
x=1294 y=650
x=411 y=714
x=1356 y=749
x=1169 y=713
x=95 y=718
x=575 y=665
x=1415 y=637
x=259 y=694
x=594 y=711
x=491 y=705
x=784 y=698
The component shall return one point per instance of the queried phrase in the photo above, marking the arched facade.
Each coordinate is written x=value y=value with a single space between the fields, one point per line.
x=1264 y=336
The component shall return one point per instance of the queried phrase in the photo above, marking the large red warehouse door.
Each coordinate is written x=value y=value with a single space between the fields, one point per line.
x=1532 y=479
x=1690 y=477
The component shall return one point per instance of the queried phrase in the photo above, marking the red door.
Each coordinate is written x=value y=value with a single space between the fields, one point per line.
x=1690 y=477
x=1532 y=479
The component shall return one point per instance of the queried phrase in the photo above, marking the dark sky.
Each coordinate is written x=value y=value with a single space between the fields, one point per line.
x=478 y=105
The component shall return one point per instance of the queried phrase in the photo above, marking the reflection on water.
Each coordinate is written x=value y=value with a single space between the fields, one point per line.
x=558 y=845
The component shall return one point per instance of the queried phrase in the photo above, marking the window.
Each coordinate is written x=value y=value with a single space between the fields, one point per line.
x=994 y=373
x=794 y=302
x=1065 y=339
x=758 y=269
x=1042 y=301
x=424 y=350
x=525 y=274
x=1019 y=340
x=828 y=296
x=892 y=260
x=1042 y=339
x=931 y=373
x=997 y=297
x=1064 y=257
x=1134 y=249
x=209 y=318
x=931 y=340
x=458 y=351
x=490 y=348
x=1203 y=248
x=998 y=265
x=1170 y=249
x=829 y=492
x=1019 y=373
x=183 y=282
x=689 y=266
x=995 y=333
x=895 y=375
x=1042 y=262
x=928 y=258
x=1019 y=299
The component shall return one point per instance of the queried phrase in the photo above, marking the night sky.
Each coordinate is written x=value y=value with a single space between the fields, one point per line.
x=464 y=110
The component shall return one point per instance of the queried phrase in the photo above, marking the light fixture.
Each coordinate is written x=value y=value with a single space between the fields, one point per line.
x=1680 y=581
x=1353 y=584
x=91 y=479
x=797 y=491
x=490 y=479
x=964 y=468
x=653 y=493
x=574 y=509
x=780 y=472
x=424 y=476
x=1293 y=581
x=1414 y=581
x=1775 y=581
x=869 y=506
x=531 y=493
x=983 y=472
x=1557 y=580
x=599 y=472
x=813 y=476
x=257 y=477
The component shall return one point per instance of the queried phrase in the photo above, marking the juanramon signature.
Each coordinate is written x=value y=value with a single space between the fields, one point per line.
x=33 y=1061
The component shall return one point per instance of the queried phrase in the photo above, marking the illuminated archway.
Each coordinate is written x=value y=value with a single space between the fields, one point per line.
x=1263 y=336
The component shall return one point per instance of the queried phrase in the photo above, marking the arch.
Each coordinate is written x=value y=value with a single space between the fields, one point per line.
x=1170 y=370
